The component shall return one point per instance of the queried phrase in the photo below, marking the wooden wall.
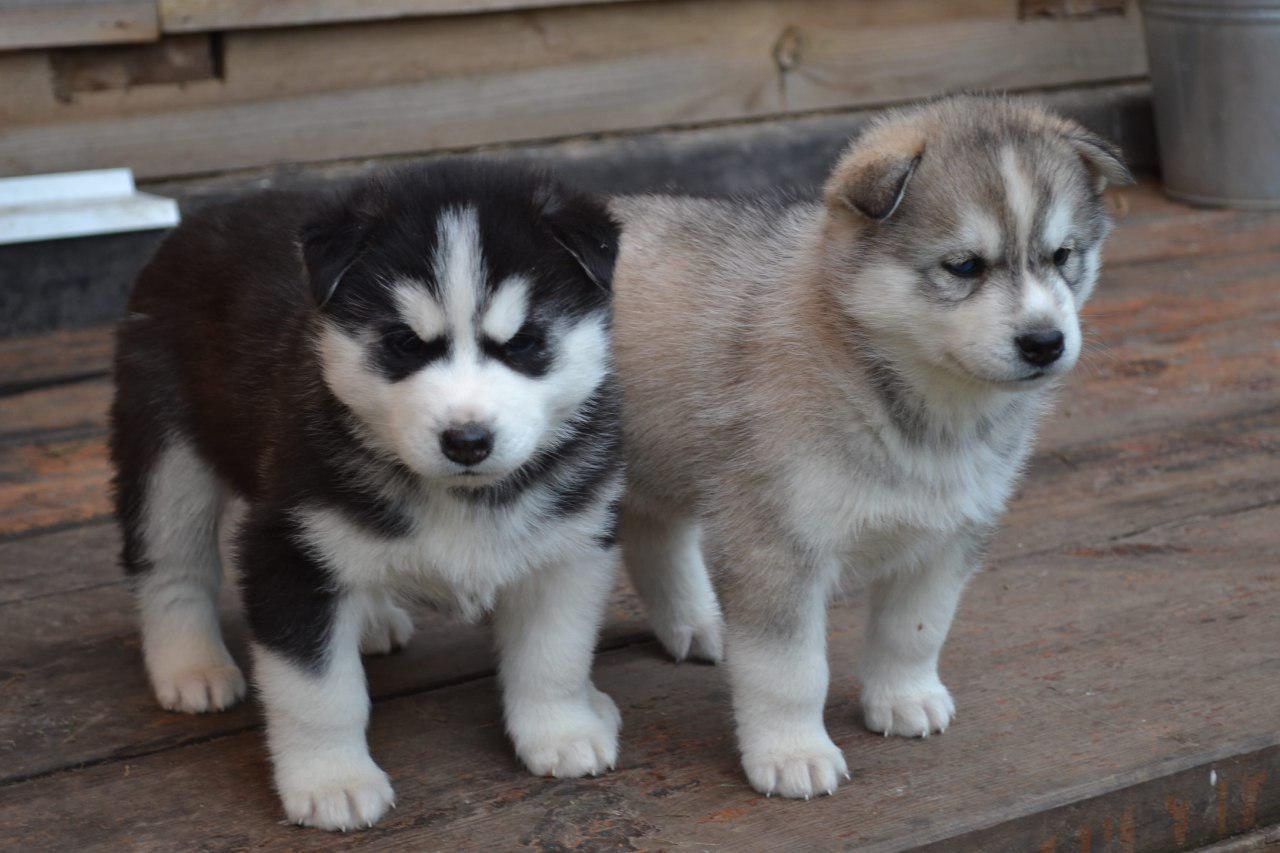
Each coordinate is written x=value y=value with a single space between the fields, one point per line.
x=182 y=87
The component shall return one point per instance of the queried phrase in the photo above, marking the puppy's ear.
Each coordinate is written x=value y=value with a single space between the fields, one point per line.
x=583 y=227
x=873 y=175
x=1103 y=159
x=334 y=237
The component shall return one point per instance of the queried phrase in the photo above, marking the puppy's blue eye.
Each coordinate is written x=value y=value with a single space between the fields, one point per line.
x=971 y=267
x=1060 y=257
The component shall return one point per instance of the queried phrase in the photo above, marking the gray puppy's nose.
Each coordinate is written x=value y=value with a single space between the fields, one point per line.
x=1041 y=348
x=468 y=444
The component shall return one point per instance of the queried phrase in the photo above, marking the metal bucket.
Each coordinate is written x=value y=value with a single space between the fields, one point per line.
x=1215 y=71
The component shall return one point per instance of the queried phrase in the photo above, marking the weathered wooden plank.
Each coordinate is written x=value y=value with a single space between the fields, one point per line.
x=203 y=15
x=64 y=410
x=324 y=93
x=1164 y=807
x=840 y=62
x=1178 y=334
x=1071 y=673
x=1153 y=234
x=72 y=688
x=26 y=24
x=29 y=91
x=55 y=563
x=1098 y=501
x=1266 y=838
x=170 y=61
x=63 y=356
x=51 y=484
x=1068 y=8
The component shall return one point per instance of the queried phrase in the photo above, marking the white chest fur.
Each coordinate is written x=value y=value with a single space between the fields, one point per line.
x=880 y=506
x=458 y=554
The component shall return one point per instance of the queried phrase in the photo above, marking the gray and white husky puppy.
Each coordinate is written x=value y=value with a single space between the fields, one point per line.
x=849 y=386
x=408 y=389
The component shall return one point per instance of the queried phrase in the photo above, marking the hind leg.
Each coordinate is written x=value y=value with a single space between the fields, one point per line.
x=387 y=627
x=664 y=561
x=171 y=547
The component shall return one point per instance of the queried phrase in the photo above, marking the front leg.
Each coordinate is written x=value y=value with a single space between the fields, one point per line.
x=546 y=626
x=911 y=612
x=306 y=650
x=775 y=603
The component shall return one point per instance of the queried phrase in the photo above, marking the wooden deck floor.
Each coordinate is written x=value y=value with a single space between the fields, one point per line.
x=1117 y=667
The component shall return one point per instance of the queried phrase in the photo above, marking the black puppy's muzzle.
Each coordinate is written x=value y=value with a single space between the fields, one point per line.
x=469 y=444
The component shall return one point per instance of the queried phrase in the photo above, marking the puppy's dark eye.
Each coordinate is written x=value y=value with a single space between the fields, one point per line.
x=971 y=267
x=1061 y=256
x=524 y=344
x=404 y=343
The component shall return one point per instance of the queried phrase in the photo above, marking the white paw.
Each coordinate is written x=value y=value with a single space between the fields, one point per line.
x=337 y=796
x=910 y=709
x=387 y=628
x=199 y=689
x=691 y=635
x=567 y=740
x=793 y=764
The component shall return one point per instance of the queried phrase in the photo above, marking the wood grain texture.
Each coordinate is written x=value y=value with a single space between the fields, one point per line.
x=324 y=93
x=1063 y=509
x=53 y=483
x=64 y=356
x=72 y=690
x=170 y=61
x=202 y=15
x=26 y=24
x=1119 y=649
x=1072 y=675
x=65 y=410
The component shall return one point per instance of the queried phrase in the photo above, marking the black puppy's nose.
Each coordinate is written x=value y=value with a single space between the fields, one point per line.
x=1040 y=348
x=468 y=444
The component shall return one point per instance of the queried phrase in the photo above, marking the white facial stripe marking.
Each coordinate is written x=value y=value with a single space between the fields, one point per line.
x=419 y=310
x=507 y=310
x=526 y=414
x=1092 y=262
x=980 y=232
x=459 y=269
x=1037 y=300
x=1057 y=225
x=347 y=374
x=1018 y=194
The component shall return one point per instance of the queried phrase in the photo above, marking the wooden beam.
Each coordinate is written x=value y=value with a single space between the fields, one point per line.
x=26 y=24
x=365 y=90
x=169 y=61
x=180 y=16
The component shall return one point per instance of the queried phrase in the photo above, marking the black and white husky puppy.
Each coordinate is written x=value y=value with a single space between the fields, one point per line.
x=406 y=391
